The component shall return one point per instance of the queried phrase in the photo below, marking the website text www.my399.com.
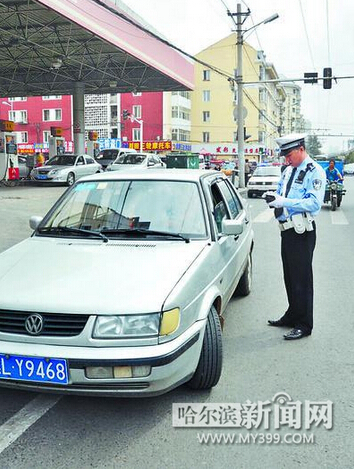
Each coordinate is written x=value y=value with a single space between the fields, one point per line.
x=255 y=438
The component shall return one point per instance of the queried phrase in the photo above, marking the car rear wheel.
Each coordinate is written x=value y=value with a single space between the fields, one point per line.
x=245 y=284
x=70 y=179
x=209 y=367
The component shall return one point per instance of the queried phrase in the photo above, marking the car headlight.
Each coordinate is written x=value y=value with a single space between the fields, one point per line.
x=114 y=327
x=54 y=171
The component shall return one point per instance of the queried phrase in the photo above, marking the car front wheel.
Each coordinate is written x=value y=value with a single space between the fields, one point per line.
x=70 y=179
x=244 y=285
x=209 y=367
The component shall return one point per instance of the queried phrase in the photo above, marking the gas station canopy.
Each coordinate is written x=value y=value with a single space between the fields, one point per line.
x=46 y=46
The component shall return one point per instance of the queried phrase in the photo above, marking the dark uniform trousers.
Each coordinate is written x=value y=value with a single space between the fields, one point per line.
x=297 y=253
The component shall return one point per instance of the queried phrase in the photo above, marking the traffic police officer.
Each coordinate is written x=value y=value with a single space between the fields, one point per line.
x=297 y=201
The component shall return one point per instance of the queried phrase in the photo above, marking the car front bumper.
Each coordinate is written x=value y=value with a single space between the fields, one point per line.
x=172 y=363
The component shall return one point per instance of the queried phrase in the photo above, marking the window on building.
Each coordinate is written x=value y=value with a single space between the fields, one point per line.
x=175 y=112
x=21 y=137
x=206 y=96
x=206 y=137
x=206 y=75
x=52 y=115
x=46 y=135
x=136 y=94
x=184 y=113
x=20 y=117
x=206 y=116
x=136 y=134
x=261 y=136
x=54 y=96
x=184 y=135
x=137 y=111
x=235 y=137
x=18 y=98
x=174 y=134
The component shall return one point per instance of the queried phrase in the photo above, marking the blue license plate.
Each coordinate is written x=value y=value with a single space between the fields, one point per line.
x=42 y=370
x=42 y=176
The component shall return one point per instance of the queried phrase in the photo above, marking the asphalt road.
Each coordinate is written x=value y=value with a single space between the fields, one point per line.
x=37 y=431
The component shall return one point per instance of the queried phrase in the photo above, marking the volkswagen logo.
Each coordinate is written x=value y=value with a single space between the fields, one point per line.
x=34 y=324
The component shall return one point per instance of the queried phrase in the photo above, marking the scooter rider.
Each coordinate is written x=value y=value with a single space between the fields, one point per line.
x=332 y=173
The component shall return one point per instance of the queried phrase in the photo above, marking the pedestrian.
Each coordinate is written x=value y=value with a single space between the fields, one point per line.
x=247 y=171
x=297 y=201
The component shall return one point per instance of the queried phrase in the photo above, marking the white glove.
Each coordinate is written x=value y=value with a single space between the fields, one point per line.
x=278 y=202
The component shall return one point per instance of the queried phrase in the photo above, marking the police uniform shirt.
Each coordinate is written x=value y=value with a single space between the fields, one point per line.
x=307 y=189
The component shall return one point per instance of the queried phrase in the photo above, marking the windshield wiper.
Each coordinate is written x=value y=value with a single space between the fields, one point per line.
x=68 y=229
x=144 y=231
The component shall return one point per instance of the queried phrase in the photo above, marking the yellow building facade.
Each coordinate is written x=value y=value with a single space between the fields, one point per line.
x=214 y=103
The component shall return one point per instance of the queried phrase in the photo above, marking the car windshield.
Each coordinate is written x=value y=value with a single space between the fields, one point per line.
x=158 y=205
x=131 y=158
x=267 y=171
x=62 y=160
x=107 y=155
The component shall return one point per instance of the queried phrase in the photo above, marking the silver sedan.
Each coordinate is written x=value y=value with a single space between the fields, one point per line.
x=66 y=168
x=164 y=250
x=136 y=161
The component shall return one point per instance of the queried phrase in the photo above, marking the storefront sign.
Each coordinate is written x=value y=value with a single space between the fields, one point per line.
x=157 y=145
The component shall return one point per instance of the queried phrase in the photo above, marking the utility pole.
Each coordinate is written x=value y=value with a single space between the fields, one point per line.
x=240 y=121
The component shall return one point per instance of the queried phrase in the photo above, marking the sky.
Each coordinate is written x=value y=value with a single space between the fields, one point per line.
x=308 y=36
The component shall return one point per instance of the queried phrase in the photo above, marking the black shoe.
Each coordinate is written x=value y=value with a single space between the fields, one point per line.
x=278 y=323
x=296 y=334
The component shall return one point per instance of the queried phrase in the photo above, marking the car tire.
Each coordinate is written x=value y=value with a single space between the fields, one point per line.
x=70 y=179
x=209 y=367
x=245 y=284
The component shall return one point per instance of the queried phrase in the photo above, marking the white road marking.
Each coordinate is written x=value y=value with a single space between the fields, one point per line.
x=264 y=217
x=11 y=430
x=338 y=218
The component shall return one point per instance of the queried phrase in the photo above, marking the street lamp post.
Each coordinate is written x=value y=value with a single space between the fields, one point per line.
x=11 y=104
x=240 y=111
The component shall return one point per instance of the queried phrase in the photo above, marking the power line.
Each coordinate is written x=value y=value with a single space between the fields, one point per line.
x=307 y=36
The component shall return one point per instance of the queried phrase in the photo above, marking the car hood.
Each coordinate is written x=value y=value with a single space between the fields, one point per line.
x=92 y=277
x=118 y=167
x=50 y=167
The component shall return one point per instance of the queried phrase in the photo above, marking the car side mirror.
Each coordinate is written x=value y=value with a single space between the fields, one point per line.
x=34 y=221
x=234 y=226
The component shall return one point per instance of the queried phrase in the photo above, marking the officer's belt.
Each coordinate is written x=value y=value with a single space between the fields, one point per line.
x=307 y=221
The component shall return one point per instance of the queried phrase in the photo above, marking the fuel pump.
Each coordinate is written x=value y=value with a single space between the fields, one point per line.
x=56 y=142
x=9 y=170
x=93 y=147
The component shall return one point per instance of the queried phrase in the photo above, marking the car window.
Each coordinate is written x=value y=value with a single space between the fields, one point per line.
x=107 y=155
x=230 y=198
x=169 y=206
x=262 y=171
x=80 y=160
x=219 y=206
x=62 y=160
x=89 y=160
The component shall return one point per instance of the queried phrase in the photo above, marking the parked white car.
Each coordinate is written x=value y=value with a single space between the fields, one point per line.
x=348 y=168
x=264 y=178
x=108 y=155
x=165 y=251
x=66 y=168
x=136 y=161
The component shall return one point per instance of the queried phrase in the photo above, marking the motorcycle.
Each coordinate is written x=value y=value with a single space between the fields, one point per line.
x=334 y=194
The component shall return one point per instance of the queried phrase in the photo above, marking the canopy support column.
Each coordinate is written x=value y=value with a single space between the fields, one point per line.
x=79 y=117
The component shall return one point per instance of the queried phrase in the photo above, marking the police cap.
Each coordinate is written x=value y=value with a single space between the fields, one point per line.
x=290 y=142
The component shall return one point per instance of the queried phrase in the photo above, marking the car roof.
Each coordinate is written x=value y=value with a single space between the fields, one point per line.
x=170 y=174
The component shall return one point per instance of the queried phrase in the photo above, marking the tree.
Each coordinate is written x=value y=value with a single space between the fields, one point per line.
x=313 y=145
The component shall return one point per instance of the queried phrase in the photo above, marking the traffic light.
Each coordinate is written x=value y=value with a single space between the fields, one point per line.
x=327 y=78
x=125 y=114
